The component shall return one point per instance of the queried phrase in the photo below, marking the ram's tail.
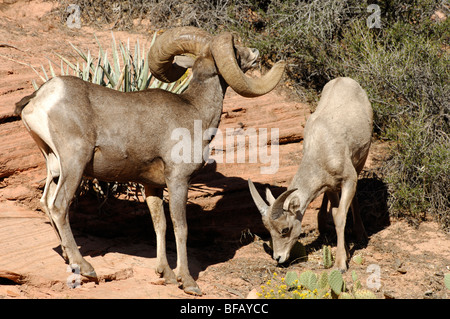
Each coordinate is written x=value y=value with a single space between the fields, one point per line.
x=23 y=102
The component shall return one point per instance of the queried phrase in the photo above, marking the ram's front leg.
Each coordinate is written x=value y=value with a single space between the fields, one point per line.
x=178 y=190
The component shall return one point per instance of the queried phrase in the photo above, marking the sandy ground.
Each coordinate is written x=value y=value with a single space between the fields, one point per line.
x=226 y=236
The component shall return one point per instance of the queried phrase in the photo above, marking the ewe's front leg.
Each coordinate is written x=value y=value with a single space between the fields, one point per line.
x=154 y=199
x=339 y=217
x=178 y=190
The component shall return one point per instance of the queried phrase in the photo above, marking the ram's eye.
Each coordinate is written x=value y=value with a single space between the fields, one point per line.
x=284 y=231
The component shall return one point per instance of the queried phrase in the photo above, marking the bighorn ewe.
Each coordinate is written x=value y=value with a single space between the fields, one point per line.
x=336 y=143
x=86 y=129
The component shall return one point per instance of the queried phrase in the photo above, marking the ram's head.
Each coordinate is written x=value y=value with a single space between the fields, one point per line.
x=231 y=60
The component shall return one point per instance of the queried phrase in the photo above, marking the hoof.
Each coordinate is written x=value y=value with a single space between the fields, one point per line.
x=342 y=269
x=189 y=285
x=170 y=280
x=91 y=275
x=195 y=291
x=167 y=274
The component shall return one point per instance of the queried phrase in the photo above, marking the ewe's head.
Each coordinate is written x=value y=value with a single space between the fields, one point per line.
x=231 y=61
x=281 y=218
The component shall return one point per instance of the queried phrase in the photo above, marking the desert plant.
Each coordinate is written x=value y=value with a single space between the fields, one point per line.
x=124 y=15
x=127 y=71
x=447 y=280
x=308 y=285
x=308 y=279
x=336 y=282
x=327 y=257
x=358 y=259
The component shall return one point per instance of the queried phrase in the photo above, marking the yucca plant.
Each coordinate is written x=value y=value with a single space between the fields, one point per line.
x=127 y=72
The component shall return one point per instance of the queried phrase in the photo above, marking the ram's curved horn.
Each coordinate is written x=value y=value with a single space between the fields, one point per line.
x=222 y=49
x=174 y=42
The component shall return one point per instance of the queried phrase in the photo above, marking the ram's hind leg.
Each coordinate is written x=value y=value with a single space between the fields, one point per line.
x=49 y=192
x=53 y=173
x=59 y=197
x=154 y=199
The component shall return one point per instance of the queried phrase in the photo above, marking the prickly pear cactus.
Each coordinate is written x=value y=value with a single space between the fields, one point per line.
x=323 y=281
x=327 y=257
x=364 y=294
x=290 y=278
x=447 y=280
x=336 y=282
x=356 y=283
x=322 y=285
x=346 y=295
x=358 y=259
x=308 y=279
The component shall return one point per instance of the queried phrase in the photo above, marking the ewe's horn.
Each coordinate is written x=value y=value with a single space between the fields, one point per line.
x=259 y=202
x=174 y=42
x=222 y=49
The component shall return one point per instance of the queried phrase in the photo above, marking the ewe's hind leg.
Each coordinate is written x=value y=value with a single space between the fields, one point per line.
x=68 y=183
x=154 y=199
x=358 y=227
x=333 y=198
x=322 y=215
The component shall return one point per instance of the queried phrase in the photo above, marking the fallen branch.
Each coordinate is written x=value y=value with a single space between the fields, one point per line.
x=6 y=45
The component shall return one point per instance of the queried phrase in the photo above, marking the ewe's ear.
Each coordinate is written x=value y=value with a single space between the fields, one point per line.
x=294 y=205
x=277 y=209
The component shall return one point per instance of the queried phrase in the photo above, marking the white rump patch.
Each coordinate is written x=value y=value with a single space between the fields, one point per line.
x=36 y=119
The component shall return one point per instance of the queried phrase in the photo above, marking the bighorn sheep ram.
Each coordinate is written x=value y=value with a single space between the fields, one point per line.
x=86 y=129
x=336 y=144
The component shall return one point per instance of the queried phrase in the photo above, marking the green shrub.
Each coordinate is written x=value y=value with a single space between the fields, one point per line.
x=404 y=67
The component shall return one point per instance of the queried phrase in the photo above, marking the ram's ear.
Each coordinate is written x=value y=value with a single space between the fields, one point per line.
x=184 y=61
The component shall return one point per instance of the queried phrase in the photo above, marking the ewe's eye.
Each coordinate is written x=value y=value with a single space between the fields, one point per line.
x=284 y=231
